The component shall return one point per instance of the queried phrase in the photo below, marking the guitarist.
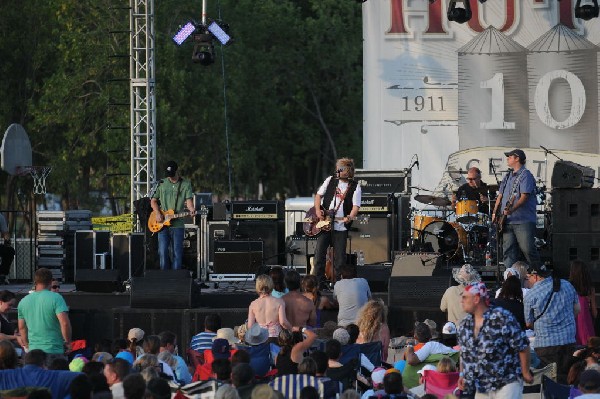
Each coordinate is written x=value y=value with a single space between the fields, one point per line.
x=340 y=195
x=172 y=192
x=515 y=208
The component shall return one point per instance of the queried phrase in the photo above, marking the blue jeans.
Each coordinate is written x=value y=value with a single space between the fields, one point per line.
x=170 y=239
x=519 y=237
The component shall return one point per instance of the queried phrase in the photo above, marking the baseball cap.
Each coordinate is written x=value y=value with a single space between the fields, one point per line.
x=589 y=380
x=136 y=333
x=427 y=367
x=125 y=355
x=540 y=270
x=171 y=168
x=220 y=349
x=449 y=328
x=516 y=152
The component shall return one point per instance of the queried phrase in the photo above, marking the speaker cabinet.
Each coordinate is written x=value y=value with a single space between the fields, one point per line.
x=88 y=243
x=217 y=231
x=270 y=232
x=238 y=257
x=416 y=292
x=90 y=280
x=571 y=246
x=165 y=289
x=128 y=254
x=576 y=210
x=372 y=236
x=568 y=174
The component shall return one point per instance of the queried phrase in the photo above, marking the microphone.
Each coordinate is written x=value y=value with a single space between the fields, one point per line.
x=545 y=149
x=339 y=170
x=417 y=162
x=491 y=164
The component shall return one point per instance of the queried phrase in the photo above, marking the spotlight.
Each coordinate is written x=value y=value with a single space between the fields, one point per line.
x=204 y=50
x=459 y=14
x=220 y=32
x=184 y=33
x=588 y=11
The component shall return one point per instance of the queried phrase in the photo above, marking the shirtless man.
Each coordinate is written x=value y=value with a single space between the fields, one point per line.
x=267 y=311
x=299 y=310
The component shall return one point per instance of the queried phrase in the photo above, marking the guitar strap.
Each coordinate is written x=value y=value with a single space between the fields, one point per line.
x=514 y=186
x=341 y=199
x=178 y=190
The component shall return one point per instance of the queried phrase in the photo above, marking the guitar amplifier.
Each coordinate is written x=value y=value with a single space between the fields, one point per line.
x=257 y=210
x=237 y=256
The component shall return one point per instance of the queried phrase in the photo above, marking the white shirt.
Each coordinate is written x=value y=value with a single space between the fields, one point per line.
x=341 y=189
x=432 y=348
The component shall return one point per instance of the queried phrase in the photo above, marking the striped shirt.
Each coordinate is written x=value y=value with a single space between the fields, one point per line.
x=202 y=341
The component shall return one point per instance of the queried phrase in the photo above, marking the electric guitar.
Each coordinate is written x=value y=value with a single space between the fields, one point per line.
x=313 y=226
x=501 y=220
x=169 y=215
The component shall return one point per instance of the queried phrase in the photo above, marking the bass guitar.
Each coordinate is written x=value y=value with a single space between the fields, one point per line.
x=169 y=215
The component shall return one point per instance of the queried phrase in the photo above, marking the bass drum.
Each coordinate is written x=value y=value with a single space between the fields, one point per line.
x=446 y=238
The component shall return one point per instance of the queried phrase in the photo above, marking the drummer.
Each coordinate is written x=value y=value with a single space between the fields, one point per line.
x=473 y=189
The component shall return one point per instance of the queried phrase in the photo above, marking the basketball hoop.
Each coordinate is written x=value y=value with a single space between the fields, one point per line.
x=39 y=175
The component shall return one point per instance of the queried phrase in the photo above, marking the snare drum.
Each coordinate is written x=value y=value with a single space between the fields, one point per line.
x=466 y=211
x=446 y=238
x=421 y=221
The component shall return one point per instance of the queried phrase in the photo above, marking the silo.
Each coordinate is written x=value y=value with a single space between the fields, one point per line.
x=492 y=92
x=563 y=91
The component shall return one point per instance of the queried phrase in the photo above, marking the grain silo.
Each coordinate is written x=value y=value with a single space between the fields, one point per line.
x=563 y=91
x=492 y=92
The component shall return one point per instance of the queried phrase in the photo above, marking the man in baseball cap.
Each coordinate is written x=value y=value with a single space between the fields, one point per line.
x=515 y=211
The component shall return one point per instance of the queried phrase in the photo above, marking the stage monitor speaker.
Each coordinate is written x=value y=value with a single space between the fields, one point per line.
x=372 y=236
x=128 y=254
x=568 y=174
x=165 y=289
x=238 y=257
x=270 y=232
x=88 y=243
x=572 y=246
x=377 y=276
x=413 y=264
x=90 y=280
x=416 y=291
x=576 y=210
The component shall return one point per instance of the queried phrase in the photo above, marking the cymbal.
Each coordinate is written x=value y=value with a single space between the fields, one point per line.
x=432 y=200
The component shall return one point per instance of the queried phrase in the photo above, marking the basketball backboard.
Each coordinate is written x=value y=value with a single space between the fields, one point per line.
x=16 y=149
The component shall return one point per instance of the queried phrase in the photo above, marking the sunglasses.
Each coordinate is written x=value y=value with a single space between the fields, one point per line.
x=472 y=178
x=55 y=287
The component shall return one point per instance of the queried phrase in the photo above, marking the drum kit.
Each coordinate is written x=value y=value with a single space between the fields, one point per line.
x=460 y=232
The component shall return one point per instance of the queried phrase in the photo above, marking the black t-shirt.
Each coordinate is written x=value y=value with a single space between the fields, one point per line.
x=5 y=326
x=467 y=192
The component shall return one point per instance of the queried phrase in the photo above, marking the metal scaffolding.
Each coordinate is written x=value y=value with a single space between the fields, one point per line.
x=143 y=102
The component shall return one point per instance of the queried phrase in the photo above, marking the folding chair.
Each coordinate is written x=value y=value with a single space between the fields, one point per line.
x=290 y=385
x=536 y=386
x=260 y=358
x=553 y=390
x=440 y=384
x=194 y=358
x=373 y=352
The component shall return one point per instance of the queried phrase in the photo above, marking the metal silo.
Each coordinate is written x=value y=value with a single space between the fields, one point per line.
x=563 y=91
x=492 y=92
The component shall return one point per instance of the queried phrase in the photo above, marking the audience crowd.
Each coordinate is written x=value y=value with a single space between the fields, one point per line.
x=490 y=345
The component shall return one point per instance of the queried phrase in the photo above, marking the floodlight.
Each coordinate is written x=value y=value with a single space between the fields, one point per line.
x=587 y=11
x=184 y=33
x=219 y=33
x=457 y=14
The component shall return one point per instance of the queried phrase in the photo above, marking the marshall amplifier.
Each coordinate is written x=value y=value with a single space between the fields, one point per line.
x=375 y=204
x=252 y=210
x=383 y=181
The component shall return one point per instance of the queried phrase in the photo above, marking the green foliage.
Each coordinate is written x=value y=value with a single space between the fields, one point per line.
x=293 y=80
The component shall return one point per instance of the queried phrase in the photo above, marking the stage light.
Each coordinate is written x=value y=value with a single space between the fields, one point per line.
x=220 y=32
x=184 y=33
x=587 y=11
x=459 y=14
x=204 y=50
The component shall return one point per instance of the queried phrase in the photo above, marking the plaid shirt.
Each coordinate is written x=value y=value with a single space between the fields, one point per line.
x=491 y=360
x=557 y=325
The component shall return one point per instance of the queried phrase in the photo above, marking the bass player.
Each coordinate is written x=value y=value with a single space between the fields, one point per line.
x=172 y=192
x=340 y=197
x=515 y=211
